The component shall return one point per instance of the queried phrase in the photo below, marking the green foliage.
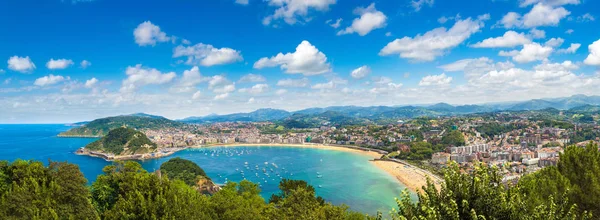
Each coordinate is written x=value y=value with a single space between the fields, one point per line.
x=454 y=138
x=492 y=129
x=184 y=170
x=28 y=190
x=118 y=139
x=581 y=166
x=420 y=151
x=102 y=126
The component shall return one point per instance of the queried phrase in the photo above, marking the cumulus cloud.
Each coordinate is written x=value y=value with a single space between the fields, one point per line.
x=20 y=64
x=571 y=49
x=360 y=72
x=292 y=10
x=58 y=64
x=207 y=55
x=85 y=64
x=434 y=43
x=540 y=15
x=248 y=78
x=525 y=3
x=435 y=80
x=327 y=85
x=594 y=57
x=91 y=83
x=138 y=76
x=564 y=66
x=298 y=83
x=190 y=79
x=418 y=4
x=221 y=96
x=587 y=17
x=554 y=42
x=537 y=34
x=306 y=60
x=49 y=80
x=370 y=19
x=281 y=91
x=147 y=33
x=256 y=89
x=509 y=39
x=530 y=52
x=476 y=67
x=384 y=85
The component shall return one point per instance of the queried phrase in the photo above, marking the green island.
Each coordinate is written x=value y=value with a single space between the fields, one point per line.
x=121 y=143
x=30 y=190
x=101 y=127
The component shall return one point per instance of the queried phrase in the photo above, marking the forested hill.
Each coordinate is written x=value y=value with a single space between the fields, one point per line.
x=123 y=141
x=102 y=126
x=190 y=173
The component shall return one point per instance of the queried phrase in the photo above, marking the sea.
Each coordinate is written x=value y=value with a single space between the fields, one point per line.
x=337 y=176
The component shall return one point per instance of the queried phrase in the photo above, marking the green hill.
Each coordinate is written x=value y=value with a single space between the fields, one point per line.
x=123 y=141
x=100 y=127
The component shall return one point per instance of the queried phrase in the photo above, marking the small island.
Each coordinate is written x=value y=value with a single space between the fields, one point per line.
x=124 y=144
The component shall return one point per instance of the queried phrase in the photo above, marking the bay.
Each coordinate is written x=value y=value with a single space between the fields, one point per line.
x=339 y=177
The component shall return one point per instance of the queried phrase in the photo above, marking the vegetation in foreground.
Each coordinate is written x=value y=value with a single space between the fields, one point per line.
x=30 y=190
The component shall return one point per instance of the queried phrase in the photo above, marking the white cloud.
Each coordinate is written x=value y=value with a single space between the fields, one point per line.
x=443 y=20
x=418 y=4
x=138 y=76
x=384 y=85
x=20 y=64
x=251 y=100
x=473 y=68
x=388 y=34
x=530 y=52
x=85 y=64
x=49 y=80
x=189 y=80
x=509 y=39
x=587 y=17
x=58 y=64
x=281 y=91
x=370 y=19
x=197 y=95
x=207 y=55
x=221 y=96
x=554 y=42
x=435 y=80
x=525 y=3
x=242 y=2
x=252 y=78
x=90 y=83
x=291 y=10
x=335 y=24
x=594 y=57
x=327 y=85
x=147 y=33
x=570 y=31
x=256 y=89
x=360 y=72
x=306 y=60
x=434 y=43
x=571 y=49
x=537 y=34
x=220 y=84
x=564 y=66
x=540 y=15
x=298 y=83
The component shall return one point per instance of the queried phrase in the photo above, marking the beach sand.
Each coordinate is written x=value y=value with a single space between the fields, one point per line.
x=410 y=176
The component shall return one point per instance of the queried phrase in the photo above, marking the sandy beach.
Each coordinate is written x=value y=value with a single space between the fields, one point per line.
x=410 y=176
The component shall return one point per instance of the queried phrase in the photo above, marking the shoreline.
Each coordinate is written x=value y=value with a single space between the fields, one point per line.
x=412 y=177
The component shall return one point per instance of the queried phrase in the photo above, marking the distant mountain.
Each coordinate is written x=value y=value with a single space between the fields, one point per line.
x=102 y=126
x=265 y=114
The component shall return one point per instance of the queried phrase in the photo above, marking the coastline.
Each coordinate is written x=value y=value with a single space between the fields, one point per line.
x=413 y=178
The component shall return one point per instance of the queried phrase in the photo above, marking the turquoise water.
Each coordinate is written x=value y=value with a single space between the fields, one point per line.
x=343 y=177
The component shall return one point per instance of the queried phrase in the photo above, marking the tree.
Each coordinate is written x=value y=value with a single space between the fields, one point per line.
x=184 y=170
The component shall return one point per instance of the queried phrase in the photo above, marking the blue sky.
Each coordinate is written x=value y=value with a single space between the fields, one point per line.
x=82 y=59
